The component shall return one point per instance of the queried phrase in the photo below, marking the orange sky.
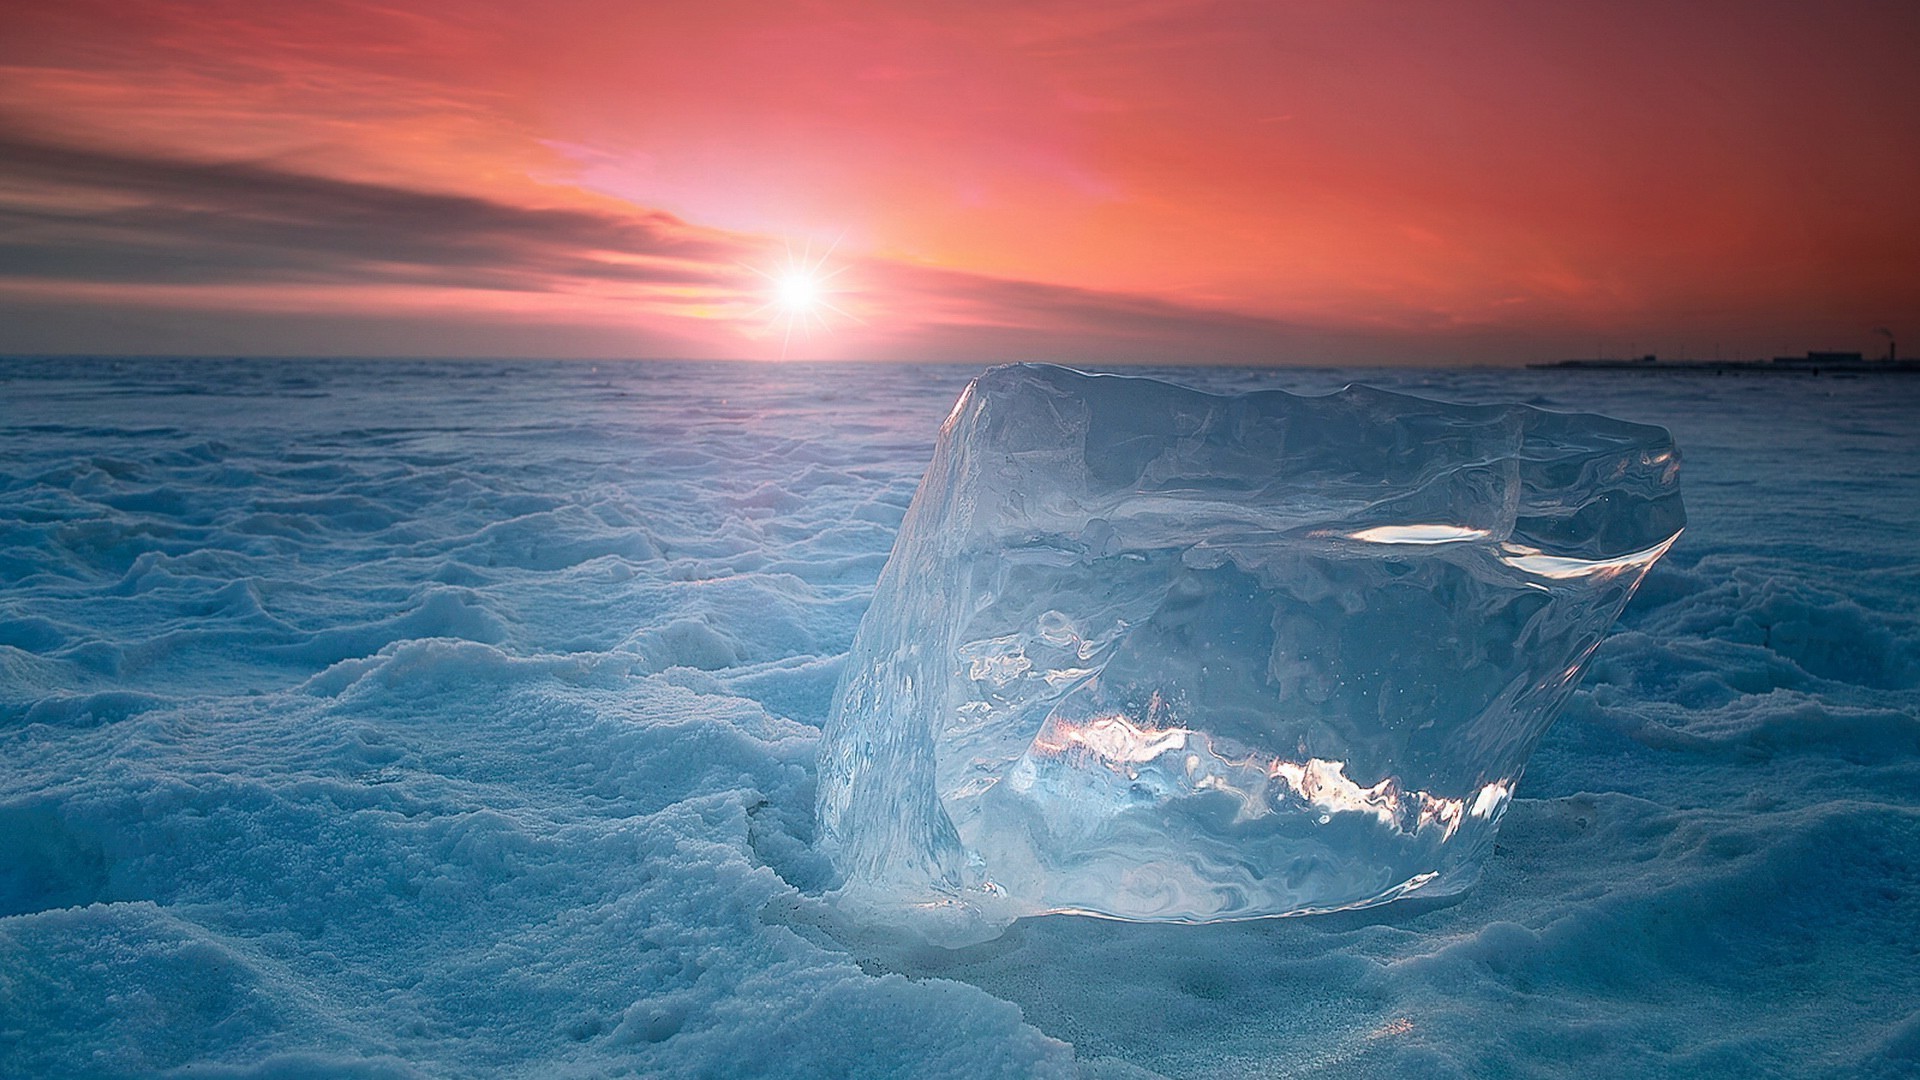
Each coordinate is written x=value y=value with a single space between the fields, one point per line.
x=1288 y=182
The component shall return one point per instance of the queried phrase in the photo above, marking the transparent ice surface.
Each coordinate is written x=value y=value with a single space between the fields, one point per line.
x=1150 y=653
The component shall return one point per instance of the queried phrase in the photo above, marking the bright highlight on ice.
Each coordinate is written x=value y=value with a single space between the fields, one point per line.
x=1116 y=743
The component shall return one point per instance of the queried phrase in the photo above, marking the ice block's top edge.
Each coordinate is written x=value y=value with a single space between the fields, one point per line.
x=1359 y=461
x=1651 y=434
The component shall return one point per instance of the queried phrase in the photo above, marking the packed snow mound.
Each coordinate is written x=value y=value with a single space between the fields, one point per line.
x=1158 y=654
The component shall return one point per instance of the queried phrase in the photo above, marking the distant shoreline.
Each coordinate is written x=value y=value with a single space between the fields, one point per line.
x=1782 y=366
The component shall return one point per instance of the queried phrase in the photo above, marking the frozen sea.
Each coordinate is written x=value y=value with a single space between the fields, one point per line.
x=383 y=719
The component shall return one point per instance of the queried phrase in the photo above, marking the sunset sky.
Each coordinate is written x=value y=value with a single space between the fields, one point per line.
x=1165 y=180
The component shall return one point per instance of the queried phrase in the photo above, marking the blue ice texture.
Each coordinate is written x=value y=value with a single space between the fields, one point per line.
x=1151 y=653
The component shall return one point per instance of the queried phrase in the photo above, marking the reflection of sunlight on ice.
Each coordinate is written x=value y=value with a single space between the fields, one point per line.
x=1117 y=743
x=1539 y=564
x=1530 y=560
x=1418 y=534
x=1113 y=738
x=1490 y=799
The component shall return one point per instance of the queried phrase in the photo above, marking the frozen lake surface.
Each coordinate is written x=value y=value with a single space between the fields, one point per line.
x=374 y=719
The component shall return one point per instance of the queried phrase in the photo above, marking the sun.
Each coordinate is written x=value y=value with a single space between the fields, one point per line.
x=801 y=290
x=797 y=292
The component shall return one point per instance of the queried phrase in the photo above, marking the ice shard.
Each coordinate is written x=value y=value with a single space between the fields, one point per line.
x=1151 y=653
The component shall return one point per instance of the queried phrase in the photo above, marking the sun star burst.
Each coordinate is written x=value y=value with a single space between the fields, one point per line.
x=800 y=291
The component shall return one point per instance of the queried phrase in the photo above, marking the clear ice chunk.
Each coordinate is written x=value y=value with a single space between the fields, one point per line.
x=1151 y=653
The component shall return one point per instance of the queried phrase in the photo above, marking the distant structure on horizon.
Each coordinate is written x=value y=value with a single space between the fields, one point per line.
x=1816 y=362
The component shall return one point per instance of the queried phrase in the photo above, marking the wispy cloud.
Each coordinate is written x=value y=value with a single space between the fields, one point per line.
x=117 y=230
x=958 y=315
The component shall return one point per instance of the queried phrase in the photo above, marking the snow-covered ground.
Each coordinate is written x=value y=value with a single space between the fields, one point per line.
x=392 y=719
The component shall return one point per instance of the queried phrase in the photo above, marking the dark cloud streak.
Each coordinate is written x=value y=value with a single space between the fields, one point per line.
x=79 y=214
